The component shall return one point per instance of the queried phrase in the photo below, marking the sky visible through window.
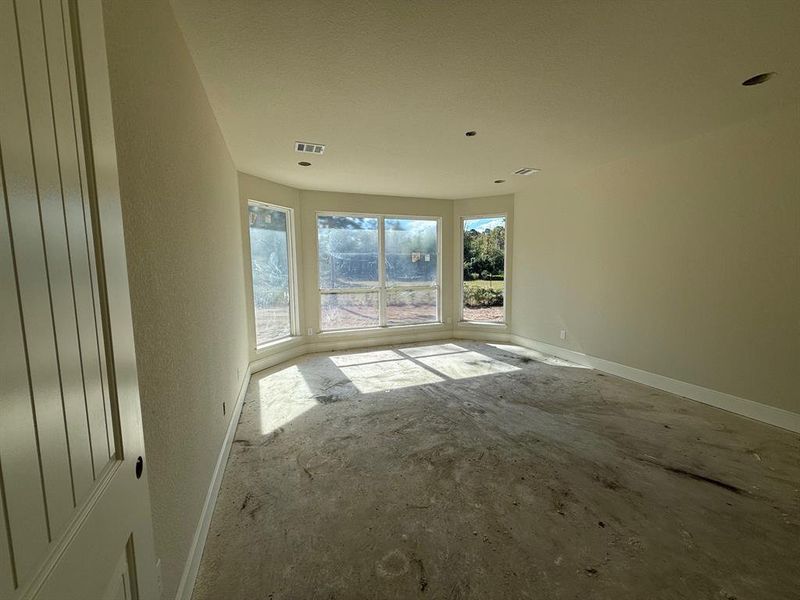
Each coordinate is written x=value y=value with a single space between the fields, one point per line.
x=485 y=223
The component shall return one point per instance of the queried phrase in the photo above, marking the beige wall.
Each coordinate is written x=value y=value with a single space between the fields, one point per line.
x=684 y=261
x=183 y=239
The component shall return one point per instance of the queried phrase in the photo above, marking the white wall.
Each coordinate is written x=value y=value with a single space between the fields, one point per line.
x=183 y=239
x=683 y=261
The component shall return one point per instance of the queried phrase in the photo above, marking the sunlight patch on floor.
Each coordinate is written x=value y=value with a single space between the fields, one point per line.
x=547 y=359
x=360 y=358
x=288 y=393
x=296 y=397
x=431 y=350
x=466 y=364
x=388 y=375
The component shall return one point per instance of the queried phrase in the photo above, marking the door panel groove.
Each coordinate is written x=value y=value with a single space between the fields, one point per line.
x=25 y=518
x=99 y=288
x=74 y=73
x=84 y=264
x=71 y=281
x=5 y=532
x=47 y=381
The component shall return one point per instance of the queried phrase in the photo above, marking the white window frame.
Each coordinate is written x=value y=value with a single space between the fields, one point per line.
x=291 y=259
x=461 y=319
x=382 y=288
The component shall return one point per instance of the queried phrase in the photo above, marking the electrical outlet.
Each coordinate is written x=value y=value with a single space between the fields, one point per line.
x=310 y=331
x=449 y=320
x=563 y=334
x=238 y=374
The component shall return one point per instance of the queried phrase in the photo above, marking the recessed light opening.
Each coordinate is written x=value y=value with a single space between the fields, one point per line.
x=499 y=180
x=304 y=163
x=471 y=133
x=759 y=79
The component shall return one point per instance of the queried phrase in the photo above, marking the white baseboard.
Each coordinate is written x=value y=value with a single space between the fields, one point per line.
x=339 y=342
x=481 y=335
x=189 y=576
x=740 y=406
x=275 y=358
x=324 y=345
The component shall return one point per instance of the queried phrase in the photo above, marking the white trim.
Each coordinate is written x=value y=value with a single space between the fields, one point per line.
x=189 y=576
x=327 y=345
x=770 y=415
x=381 y=273
x=279 y=342
x=740 y=406
x=482 y=324
x=480 y=334
x=388 y=330
x=274 y=358
x=331 y=341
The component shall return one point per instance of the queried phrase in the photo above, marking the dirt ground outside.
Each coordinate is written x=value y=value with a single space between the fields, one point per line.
x=273 y=323
x=493 y=314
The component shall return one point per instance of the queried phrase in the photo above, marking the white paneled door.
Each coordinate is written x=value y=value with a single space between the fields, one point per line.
x=74 y=507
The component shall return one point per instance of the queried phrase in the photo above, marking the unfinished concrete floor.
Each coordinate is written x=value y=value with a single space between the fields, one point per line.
x=465 y=470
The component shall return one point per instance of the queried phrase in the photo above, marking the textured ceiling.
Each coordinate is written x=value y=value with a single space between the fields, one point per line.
x=391 y=86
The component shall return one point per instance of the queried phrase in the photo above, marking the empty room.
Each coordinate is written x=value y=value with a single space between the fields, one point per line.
x=400 y=299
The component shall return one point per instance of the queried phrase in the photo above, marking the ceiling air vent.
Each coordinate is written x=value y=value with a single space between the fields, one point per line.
x=526 y=171
x=309 y=147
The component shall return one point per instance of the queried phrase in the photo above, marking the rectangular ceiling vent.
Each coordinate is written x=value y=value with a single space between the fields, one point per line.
x=526 y=171
x=309 y=147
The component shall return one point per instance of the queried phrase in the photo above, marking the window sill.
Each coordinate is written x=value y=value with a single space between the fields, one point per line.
x=491 y=324
x=387 y=329
x=279 y=343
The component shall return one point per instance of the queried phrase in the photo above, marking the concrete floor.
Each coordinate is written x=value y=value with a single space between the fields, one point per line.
x=465 y=470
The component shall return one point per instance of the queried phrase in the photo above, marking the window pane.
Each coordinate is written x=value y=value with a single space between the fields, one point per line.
x=269 y=255
x=411 y=251
x=405 y=307
x=484 y=269
x=349 y=311
x=348 y=252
